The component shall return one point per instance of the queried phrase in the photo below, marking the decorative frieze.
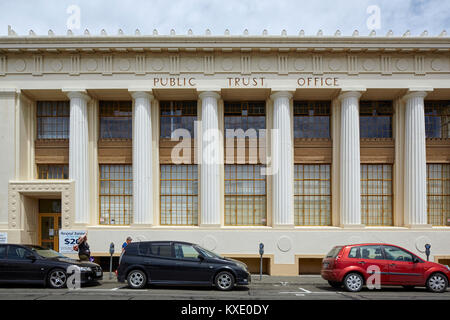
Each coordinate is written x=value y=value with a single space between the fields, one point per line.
x=317 y=65
x=2 y=65
x=107 y=65
x=208 y=64
x=386 y=65
x=174 y=64
x=419 y=65
x=246 y=64
x=75 y=65
x=352 y=63
x=38 y=65
x=140 y=64
x=283 y=67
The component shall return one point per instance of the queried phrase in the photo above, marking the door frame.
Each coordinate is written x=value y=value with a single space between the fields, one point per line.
x=56 y=217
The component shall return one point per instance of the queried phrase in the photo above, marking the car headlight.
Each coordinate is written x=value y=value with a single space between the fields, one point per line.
x=448 y=268
x=242 y=265
x=85 y=269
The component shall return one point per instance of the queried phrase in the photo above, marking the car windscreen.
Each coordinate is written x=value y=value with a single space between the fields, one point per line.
x=333 y=252
x=47 y=253
x=208 y=253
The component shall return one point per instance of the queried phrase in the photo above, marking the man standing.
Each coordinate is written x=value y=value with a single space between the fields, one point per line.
x=84 y=253
x=127 y=242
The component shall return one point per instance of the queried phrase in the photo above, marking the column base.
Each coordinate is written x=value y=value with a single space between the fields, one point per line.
x=419 y=226
x=283 y=226
x=140 y=226
x=353 y=226
x=204 y=225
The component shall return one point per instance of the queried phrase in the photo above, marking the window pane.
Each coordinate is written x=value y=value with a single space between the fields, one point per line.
x=179 y=193
x=245 y=195
x=437 y=119
x=376 y=194
x=116 y=194
x=312 y=195
x=52 y=119
x=312 y=119
x=375 y=119
x=438 y=194
x=177 y=115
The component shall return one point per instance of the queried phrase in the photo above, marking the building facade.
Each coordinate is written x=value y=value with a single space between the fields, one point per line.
x=300 y=143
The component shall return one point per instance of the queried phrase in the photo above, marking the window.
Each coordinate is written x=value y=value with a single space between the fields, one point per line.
x=371 y=252
x=334 y=252
x=2 y=252
x=53 y=171
x=376 y=194
x=115 y=120
x=177 y=115
x=245 y=195
x=245 y=116
x=49 y=205
x=312 y=195
x=438 y=194
x=116 y=194
x=375 y=120
x=53 y=119
x=354 y=253
x=184 y=251
x=156 y=249
x=17 y=253
x=397 y=254
x=437 y=119
x=312 y=119
x=179 y=195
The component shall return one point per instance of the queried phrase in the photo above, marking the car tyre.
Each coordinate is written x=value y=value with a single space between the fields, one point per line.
x=353 y=282
x=137 y=279
x=224 y=281
x=57 y=279
x=335 y=284
x=437 y=282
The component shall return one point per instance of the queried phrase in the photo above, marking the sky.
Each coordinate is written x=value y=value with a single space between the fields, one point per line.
x=218 y=15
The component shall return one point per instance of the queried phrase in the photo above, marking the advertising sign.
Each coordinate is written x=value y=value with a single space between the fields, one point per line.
x=3 y=237
x=67 y=239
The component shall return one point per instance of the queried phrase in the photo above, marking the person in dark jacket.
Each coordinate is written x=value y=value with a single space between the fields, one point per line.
x=84 y=253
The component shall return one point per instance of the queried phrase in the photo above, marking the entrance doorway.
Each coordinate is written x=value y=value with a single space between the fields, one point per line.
x=49 y=223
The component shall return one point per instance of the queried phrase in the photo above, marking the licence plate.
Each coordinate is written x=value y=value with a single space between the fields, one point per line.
x=98 y=273
x=325 y=265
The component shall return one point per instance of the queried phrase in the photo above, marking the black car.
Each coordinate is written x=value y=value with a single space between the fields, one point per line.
x=35 y=264
x=180 y=263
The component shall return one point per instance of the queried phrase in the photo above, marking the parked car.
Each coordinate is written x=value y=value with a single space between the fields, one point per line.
x=352 y=265
x=178 y=263
x=35 y=264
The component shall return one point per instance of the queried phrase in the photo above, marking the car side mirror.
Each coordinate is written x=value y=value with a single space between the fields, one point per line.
x=416 y=260
x=200 y=257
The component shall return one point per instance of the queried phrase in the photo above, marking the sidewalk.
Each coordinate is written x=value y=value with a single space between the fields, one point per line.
x=266 y=279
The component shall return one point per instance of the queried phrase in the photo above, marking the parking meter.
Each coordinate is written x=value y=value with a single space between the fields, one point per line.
x=427 y=251
x=261 y=252
x=111 y=252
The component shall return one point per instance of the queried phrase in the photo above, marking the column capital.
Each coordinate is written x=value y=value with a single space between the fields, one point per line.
x=209 y=94
x=8 y=92
x=281 y=94
x=414 y=94
x=77 y=93
x=141 y=94
x=350 y=94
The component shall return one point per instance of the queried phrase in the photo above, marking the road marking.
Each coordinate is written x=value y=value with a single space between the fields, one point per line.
x=304 y=290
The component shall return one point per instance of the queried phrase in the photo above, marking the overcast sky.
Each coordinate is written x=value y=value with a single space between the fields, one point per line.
x=218 y=15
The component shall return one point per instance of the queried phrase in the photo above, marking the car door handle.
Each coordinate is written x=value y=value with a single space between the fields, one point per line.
x=392 y=265
x=362 y=262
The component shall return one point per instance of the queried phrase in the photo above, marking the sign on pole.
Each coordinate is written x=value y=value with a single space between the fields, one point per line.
x=67 y=239
x=3 y=237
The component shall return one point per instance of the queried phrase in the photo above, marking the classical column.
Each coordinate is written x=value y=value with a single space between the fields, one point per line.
x=350 y=175
x=79 y=153
x=210 y=162
x=142 y=159
x=415 y=186
x=282 y=161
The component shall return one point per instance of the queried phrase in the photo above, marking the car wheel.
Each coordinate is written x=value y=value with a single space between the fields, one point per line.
x=437 y=282
x=353 y=282
x=57 y=279
x=224 y=281
x=137 y=279
x=335 y=284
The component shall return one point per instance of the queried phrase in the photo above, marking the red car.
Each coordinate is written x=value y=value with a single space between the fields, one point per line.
x=355 y=265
